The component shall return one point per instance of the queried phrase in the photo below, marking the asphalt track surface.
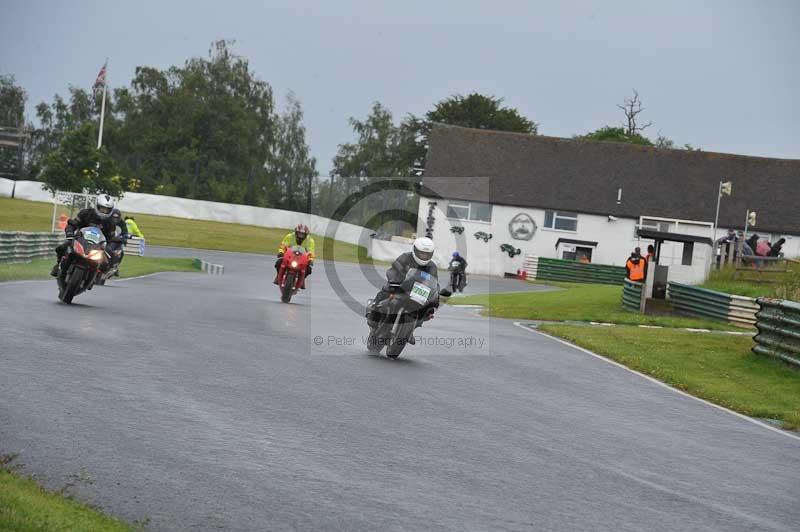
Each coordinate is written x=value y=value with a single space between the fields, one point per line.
x=196 y=402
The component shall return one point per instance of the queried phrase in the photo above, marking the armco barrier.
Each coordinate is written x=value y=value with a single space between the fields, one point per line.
x=704 y=303
x=207 y=267
x=778 y=324
x=531 y=266
x=632 y=295
x=134 y=246
x=571 y=271
x=17 y=246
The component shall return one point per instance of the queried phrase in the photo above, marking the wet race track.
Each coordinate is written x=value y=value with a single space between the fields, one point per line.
x=197 y=402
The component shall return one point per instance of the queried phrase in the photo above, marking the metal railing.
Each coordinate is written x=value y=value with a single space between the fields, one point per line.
x=710 y=304
x=19 y=246
x=778 y=324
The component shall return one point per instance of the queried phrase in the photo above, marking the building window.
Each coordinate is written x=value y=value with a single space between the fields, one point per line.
x=578 y=253
x=653 y=225
x=565 y=221
x=688 y=251
x=476 y=212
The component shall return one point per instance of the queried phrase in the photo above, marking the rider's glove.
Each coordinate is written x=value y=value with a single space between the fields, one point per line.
x=280 y=254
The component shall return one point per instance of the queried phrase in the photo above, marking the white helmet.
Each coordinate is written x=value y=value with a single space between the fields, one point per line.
x=104 y=206
x=423 y=250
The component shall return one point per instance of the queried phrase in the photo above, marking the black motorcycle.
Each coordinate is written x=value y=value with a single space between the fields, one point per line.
x=393 y=320
x=458 y=277
x=84 y=259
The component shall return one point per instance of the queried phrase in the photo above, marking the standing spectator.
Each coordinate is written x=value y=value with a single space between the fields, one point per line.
x=651 y=254
x=133 y=229
x=763 y=248
x=775 y=250
x=753 y=242
x=636 y=266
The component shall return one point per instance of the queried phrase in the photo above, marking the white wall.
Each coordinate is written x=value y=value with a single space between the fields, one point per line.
x=387 y=250
x=133 y=202
x=615 y=241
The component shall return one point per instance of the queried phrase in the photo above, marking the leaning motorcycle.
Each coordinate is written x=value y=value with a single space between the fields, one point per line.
x=84 y=258
x=393 y=320
x=458 y=277
x=292 y=272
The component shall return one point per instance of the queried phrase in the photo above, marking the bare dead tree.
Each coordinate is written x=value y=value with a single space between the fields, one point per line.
x=631 y=108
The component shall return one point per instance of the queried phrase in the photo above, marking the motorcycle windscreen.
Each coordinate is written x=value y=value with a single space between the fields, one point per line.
x=93 y=235
x=298 y=250
x=420 y=286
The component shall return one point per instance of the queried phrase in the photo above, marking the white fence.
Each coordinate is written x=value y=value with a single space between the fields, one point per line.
x=136 y=203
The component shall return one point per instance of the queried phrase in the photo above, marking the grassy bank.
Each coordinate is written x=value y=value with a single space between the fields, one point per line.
x=21 y=215
x=575 y=302
x=132 y=266
x=716 y=367
x=786 y=285
x=26 y=507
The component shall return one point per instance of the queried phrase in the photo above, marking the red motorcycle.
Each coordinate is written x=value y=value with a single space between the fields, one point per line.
x=292 y=272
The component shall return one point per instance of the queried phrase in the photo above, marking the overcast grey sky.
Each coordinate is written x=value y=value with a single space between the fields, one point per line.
x=722 y=75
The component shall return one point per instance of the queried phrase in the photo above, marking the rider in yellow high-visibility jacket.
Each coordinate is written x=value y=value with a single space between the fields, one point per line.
x=299 y=237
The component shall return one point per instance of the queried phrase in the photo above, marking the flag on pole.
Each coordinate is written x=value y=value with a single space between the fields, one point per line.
x=100 y=82
x=725 y=188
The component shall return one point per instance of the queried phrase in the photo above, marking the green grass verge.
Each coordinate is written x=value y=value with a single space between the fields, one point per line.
x=21 y=215
x=132 y=266
x=26 y=507
x=718 y=368
x=576 y=302
x=787 y=287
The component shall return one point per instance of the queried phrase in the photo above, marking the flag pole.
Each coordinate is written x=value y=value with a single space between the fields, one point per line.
x=103 y=107
x=716 y=216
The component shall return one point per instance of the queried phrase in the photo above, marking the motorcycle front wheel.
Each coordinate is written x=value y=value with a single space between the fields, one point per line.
x=72 y=285
x=374 y=344
x=288 y=288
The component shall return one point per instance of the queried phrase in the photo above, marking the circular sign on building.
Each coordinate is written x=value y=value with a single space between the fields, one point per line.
x=522 y=227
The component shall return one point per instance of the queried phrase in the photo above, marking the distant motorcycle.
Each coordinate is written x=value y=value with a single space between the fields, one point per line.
x=458 y=277
x=401 y=313
x=84 y=258
x=292 y=272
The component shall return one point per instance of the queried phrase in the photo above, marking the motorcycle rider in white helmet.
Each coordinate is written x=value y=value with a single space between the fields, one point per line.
x=102 y=215
x=420 y=257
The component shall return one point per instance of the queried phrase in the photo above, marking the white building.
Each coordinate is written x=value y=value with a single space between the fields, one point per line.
x=498 y=196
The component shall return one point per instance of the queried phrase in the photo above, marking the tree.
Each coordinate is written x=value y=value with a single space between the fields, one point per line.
x=474 y=110
x=204 y=130
x=12 y=120
x=632 y=107
x=378 y=152
x=616 y=134
x=12 y=102
x=78 y=166
x=290 y=165
x=480 y=112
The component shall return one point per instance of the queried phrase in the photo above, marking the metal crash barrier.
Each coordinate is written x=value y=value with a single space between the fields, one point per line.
x=19 y=246
x=134 y=246
x=778 y=324
x=632 y=295
x=704 y=303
